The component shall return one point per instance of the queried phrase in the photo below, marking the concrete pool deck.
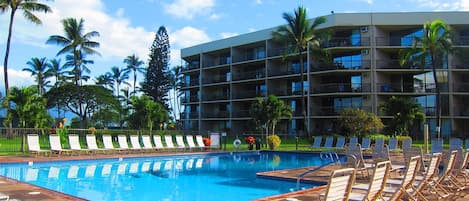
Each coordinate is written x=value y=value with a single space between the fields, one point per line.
x=27 y=192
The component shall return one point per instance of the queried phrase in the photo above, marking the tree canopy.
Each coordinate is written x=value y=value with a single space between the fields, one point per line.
x=405 y=114
x=357 y=122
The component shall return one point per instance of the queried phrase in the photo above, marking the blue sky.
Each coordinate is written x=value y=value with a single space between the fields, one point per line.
x=128 y=26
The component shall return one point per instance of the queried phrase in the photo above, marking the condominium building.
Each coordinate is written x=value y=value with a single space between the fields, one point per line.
x=223 y=77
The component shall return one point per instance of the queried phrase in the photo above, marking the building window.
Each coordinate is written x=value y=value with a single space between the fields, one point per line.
x=342 y=103
x=259 y=53
x=349 y=62
x=356 y=83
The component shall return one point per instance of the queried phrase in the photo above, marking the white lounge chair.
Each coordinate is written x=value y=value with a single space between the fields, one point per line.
x=55 y=144
x=107 y=141
x=168 y=139
x=135 y=142
x=317 y=142
x=406 y=144
x=190 y=142
x=74 y=141
x=339 y=185
x=215 y=140
x=33 y=145
x=123 y=143
x=180 y=142
x=393 y=144
x=147 y=143
x=329 y=142
x=427 y=179
x=158 y=142
x=340 y=143
x=375 y=189
x=91 y=143
x=200 y=141
x=405 y=185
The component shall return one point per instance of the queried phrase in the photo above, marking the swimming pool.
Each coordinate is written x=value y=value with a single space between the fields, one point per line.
x=204 y=177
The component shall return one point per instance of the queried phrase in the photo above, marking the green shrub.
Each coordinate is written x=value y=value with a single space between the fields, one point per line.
x=274 y=141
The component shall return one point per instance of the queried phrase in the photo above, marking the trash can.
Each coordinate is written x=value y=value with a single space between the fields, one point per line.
x=258 y=143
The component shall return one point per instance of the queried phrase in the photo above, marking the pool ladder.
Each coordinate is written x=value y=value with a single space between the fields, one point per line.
x=333 y=156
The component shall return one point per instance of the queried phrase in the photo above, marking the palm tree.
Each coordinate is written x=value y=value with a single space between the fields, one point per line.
x=119 y=77
x=105 y=81
x=134 y=64
x=300 y=33
x=75 y=42
x=78 y=63
x=176 y=83
x=28 y=7
x=431 y=49
x=57 y=71
x=39 y=69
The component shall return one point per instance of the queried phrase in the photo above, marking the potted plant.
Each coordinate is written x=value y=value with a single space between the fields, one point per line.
x=250 y=141
x=273 y=141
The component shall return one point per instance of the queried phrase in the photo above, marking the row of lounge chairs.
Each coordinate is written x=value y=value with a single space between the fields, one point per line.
x=416 y=183
x=365 y=143
x=108 y=145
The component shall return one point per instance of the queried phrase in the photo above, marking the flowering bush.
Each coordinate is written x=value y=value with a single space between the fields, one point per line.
x=92 y=130
x=273 y=141
x=250 y=140
x=62 y=131
x=207 y=141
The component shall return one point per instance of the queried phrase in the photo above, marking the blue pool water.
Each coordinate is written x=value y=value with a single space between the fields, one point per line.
x=205 y=177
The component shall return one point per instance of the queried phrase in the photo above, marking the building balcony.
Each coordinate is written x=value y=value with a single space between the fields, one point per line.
x=405 y=88
x=190 y=99
x=462 y=111
x=189 y=67
x=289 y=71
x=462 y=40
x=281 y=51
x=461 y=87
x=342 y=88
x=393 y=64
x=219 y=114
x=248 y=75
x=395 y=41
x=241 y=114
x=192 y=83
x=215 y=79
x=344 y=65
x=334 y=111
x=249 y=94
x=346 y=42
x=286 y=92
x=190 y=115
x=215 y=97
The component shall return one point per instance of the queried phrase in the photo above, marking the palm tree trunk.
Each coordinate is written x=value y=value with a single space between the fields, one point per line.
x=7 y=53
x=438 y=97
x=303 y=104
x=135 y=80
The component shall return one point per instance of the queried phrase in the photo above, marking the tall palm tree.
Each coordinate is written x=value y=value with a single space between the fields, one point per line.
x=39 y=69
x=431 y=49
x=104 y=80
x=78 y=63
x=300 y=33
x=134 y=64
x=119 y=77
x=28 y=7
x=176 y=83
x=75 y=42
x=57 y=70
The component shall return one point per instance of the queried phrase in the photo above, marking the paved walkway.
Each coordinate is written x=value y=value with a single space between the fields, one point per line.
x=27 y=192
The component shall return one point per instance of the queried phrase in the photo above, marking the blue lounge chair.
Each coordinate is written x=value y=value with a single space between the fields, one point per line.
x=317 y=142
x=329 y=142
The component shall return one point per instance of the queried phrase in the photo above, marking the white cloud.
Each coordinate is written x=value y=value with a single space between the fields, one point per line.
x=460 y=5
x=189 y=9
x=118 y=37
x=16 y=78
x=188 y=36
x=228 y=34
x=252 y=29
x=214 y=16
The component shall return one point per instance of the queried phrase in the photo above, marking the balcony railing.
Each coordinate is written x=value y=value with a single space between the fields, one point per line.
x=190 y=67
x=347 y=42
x=248 y=75
x=241 y=114
x=192 y=83
x=190 y=99
x=215 y=79
x=395 y=41
x=289 y=71
x=219 y=114
x=333 y=111
x=248 y=94
x=344 y=65
x=190 y=115
x=406 y=88
x=461 y=111
x=216 y=97
x=461 y=87
x=280 y=51
x=286 y=92
x=462 y=40
x=342 y=88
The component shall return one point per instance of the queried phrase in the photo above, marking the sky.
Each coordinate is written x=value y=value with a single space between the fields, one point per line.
x=128 y=27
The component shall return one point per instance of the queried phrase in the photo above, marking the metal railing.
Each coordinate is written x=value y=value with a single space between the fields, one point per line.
x=341 y=88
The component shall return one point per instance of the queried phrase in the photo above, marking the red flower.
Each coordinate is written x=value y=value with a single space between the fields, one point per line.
x=207 y=141
x=250 y=140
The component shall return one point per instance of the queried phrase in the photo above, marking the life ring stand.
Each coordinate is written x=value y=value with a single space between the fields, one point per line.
x=237 y=143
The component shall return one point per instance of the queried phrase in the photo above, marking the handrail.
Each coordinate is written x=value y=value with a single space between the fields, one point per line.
x=334 y=160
